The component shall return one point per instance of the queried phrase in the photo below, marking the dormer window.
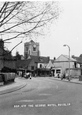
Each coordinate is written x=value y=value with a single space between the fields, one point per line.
x=34 y=48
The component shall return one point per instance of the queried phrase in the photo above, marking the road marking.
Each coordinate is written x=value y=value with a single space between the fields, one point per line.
x=45 y=94
x=25 y=101
x=31 y=100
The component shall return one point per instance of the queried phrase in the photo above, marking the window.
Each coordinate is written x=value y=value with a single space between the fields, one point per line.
x=58 y=71
x=34 y=48
x=32 y=67
x=40 y=65
x=75 y=65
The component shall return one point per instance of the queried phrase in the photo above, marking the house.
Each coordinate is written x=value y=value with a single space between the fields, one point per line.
x=35 y=64
x=50 y=64
x=61 y=66
x=79 y=60
x=42 y=69
x=28 y=65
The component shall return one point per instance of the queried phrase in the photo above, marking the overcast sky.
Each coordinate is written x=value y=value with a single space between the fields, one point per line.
x=66 y=30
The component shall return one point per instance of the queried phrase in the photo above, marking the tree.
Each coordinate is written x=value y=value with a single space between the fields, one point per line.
x=20 y=19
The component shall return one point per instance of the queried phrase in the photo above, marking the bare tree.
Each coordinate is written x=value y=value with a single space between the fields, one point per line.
x=20 y=19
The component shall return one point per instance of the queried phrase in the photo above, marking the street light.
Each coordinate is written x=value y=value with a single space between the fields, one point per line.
x=69 y=57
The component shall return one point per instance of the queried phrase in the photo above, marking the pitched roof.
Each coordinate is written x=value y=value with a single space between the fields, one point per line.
x=79 y=59
x=52 y=60
x=32 y=41
x=40 y=59
x=43 y=59
x=65 y=56
x=23 y=63
x=72 y=59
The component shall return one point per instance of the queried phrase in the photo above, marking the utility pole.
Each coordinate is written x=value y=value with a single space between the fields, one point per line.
x=69 y=58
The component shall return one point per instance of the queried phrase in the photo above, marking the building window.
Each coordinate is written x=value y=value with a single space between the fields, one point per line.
x=75 y=65
x=58 y=71
x=40 y=65
x=34 y=48
x=32 y=67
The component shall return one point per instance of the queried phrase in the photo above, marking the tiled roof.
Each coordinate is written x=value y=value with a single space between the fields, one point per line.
x=79 y=59
x=23 y=63
x=40 y=59
x=72 y=59
x=36 y=59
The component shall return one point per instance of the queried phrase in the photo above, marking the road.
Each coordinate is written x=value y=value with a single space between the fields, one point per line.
x=45 y=96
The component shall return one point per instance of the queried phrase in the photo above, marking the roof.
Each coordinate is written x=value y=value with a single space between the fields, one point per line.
x=72 y=59
x=52 y=60
x=79 y=59
x=40 y=59
x=23 y=63
x=32 y=41
x=67 y=57
x=36 y=59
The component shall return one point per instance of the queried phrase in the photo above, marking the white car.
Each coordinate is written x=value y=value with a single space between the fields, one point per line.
x=28 y=75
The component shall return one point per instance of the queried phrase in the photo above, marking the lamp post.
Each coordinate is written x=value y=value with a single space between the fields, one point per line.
x=69 y=58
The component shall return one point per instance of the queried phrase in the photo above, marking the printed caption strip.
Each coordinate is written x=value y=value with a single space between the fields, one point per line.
x=42 y=105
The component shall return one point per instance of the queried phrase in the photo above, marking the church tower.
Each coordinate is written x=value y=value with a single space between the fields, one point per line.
x=31 y=49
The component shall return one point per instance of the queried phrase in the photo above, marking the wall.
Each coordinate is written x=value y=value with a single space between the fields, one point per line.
x=64 y=65
x=41 y=65
x=1 y=64
x=75 y=73
x=32 y=63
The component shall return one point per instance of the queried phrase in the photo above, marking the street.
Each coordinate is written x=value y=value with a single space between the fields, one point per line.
x=45 y=96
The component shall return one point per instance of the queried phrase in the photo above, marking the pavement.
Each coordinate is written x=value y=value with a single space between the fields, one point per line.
x=20 y=83
x=73 y=80
x=11 y=87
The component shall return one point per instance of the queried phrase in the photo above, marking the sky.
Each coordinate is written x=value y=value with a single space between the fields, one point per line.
x=67 y=29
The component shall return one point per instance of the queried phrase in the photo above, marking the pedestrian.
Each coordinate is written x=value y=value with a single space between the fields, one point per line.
x=30 y=75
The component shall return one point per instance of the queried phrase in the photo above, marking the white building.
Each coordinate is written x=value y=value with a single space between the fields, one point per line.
x=61 y=66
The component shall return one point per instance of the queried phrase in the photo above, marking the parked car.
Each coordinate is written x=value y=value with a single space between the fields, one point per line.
x=28 y=75
x=7 y=77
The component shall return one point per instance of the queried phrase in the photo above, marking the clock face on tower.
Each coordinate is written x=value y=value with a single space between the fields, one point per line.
x=34 y=45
